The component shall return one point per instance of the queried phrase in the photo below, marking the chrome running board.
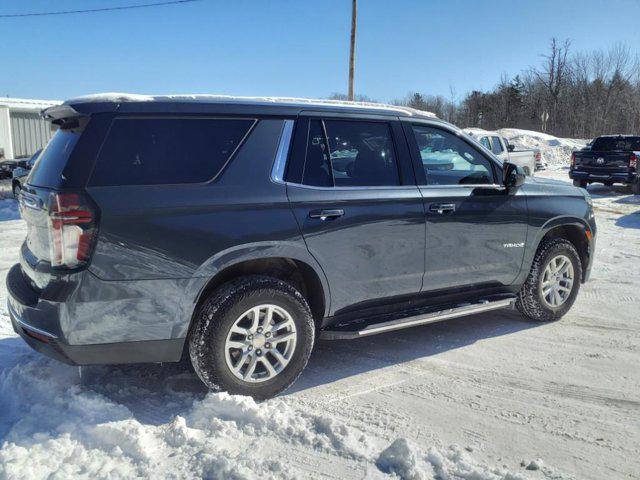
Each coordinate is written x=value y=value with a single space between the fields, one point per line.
x=419 y=319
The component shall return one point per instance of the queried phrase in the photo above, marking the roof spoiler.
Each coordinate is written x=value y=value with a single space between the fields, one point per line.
x=59 y=114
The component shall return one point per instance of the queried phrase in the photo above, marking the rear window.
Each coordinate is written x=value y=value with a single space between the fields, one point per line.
x=609 y=144
x=154 y=151
x=47 y=171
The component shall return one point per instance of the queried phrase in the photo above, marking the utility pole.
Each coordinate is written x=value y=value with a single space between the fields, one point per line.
x=352 y=55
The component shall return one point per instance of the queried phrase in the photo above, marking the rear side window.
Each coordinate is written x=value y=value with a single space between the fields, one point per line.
x=155 y=151
x=350 y=153
x=497 y=145
x=47 y=172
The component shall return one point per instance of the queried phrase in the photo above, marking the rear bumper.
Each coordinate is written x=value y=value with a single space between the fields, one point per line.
x=602 y=176
x=37 y=321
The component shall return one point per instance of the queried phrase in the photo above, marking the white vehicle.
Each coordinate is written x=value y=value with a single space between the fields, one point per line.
x=529 y=160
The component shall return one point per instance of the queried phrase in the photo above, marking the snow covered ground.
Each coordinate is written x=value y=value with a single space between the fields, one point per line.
x=483 y=397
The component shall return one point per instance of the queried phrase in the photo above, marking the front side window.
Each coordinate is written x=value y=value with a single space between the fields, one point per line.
x=155 y=151
x=449 y=160
x=350 y=153
x=497 y=145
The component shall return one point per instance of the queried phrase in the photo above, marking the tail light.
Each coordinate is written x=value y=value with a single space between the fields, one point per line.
x=72 y=229
x=573 y=159
x=538 y=157
x=633 y=161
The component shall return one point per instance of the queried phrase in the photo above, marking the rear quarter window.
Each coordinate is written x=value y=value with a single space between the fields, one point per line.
x=155 y=151
x=47 y=171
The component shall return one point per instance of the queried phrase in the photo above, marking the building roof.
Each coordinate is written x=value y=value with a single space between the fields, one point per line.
x=27 y=103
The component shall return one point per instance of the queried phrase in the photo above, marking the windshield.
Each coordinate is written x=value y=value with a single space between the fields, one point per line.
x=610 y=144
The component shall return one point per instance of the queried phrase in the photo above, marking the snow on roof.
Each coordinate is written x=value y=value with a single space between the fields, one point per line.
x=128 y=97
x=27 y=103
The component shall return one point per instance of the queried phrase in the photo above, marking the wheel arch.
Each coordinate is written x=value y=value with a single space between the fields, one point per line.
x=285 y=262
x=573 y=229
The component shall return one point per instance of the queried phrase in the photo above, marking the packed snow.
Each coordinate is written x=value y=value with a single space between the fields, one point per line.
x=484 y=397
x=555 y=151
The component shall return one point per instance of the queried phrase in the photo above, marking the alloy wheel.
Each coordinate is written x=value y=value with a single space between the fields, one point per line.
x=260 y=343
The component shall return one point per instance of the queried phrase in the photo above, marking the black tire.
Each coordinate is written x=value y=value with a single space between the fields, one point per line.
x=580 y=183
x=217 y=315
x=635 y=187
x=17 y=188
x=530 y=301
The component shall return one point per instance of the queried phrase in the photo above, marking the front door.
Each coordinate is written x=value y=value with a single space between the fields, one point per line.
x=360 y=212
x=475 y=229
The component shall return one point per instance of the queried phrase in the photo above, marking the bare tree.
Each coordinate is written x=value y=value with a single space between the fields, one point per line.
x=554 y=73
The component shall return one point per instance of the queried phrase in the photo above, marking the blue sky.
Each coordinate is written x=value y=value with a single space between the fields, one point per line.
x=294 y=48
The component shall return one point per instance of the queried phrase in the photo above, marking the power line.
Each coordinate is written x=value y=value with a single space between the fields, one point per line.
x=94 y=10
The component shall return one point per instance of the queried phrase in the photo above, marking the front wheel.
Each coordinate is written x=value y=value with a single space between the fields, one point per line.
x=580 y=183
x=635 y=187
x=553 y=282
x=253 y=336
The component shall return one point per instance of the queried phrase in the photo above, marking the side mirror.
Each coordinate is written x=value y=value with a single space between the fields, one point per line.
x=513 y=176
x=510 y=148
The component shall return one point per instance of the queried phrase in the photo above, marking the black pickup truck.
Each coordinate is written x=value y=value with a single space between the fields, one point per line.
x=608 y=159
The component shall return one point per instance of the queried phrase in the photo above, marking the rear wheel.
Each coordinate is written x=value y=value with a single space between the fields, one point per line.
x=553 y=282
x=635 y=187
x=253 y=336
x=580 y=183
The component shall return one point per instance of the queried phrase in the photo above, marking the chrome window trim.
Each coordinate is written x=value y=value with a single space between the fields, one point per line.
x=284 y=145
x=345 y=188
x=494 y=186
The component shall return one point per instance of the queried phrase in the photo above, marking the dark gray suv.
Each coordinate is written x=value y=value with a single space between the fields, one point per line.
x=236 y=231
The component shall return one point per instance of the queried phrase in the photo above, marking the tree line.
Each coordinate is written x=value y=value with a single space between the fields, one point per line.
x=569 y=94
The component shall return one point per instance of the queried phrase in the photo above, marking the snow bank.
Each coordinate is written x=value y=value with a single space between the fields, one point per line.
x=127 y=422
x=556 y=152
x=55 y=424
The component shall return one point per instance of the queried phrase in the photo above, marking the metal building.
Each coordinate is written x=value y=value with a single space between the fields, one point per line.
x=22 y=130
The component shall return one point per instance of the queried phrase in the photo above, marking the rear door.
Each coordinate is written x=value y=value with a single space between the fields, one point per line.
x=352 y=189
x=475 y=230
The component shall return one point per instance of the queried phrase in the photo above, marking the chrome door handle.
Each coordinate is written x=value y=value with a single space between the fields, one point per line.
x=326 y=214
x=441 y=208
